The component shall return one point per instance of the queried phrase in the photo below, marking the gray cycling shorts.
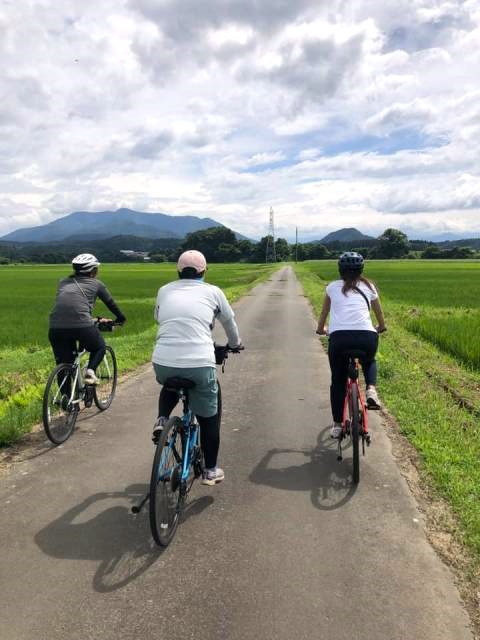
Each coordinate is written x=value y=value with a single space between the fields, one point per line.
x=203 y=396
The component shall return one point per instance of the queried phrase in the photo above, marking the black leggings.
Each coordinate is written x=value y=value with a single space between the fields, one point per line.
x=64 y=344
x=209 y=427
x=339 y=344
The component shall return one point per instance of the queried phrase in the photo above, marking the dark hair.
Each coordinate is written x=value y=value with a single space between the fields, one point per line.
x=351 y=280
x=190 y=273
x=78 y=271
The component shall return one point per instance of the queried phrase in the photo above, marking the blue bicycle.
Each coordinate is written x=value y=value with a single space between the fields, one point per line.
x=178 y=461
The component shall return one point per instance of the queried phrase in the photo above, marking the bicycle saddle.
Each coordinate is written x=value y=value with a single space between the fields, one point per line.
x=178 y=383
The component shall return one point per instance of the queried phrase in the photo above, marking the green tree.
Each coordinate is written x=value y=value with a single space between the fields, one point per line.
x=432 y=253
x=260 y=250
x=392 y=244
x=246 y=248
x=282 y=250
x=228 y=253
x=319 y=251
x=208 y=242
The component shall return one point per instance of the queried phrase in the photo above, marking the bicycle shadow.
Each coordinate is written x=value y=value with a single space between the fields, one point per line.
x=119 y=540
x=329 y=481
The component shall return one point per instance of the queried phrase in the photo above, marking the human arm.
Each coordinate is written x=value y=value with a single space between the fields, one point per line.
x=106 y=297
x=321 y=328
x=227 y=319
x=378 y=311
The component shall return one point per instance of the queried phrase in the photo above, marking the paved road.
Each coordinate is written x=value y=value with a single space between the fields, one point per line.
x=285 y=548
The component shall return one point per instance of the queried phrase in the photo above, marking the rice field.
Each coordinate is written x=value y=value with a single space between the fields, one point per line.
x=28 y=293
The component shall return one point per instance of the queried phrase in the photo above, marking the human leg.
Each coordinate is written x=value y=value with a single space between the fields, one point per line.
x=64 y=345
x=337 y=345
x=91 y=339
x=369 y=365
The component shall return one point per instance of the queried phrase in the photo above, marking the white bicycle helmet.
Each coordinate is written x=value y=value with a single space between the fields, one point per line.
x=85 y=262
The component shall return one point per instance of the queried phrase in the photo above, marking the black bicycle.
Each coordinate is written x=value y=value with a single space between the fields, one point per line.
x=178 y=460
x=66 y=390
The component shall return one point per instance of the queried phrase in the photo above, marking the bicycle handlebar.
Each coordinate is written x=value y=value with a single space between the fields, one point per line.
x=107 y=325
x=222 y=351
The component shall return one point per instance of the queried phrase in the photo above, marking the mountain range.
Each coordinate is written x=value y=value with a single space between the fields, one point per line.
x=87 y=225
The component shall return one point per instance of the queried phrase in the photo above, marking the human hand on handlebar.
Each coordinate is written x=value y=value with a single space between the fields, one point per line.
x=239 y=347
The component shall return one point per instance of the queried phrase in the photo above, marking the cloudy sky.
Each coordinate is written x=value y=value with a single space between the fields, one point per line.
x=361 y=113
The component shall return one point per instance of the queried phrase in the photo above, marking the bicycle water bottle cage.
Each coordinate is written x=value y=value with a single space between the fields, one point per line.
x=176 y=384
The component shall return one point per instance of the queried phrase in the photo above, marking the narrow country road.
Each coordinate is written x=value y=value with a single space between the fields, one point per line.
x=284 y=548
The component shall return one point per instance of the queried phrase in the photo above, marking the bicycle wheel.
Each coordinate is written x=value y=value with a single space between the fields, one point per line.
x=59 y=415
x=355 y=432
x=104 y=391
x=165 y=483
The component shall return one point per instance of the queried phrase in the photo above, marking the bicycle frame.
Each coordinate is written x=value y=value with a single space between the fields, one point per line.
x=352 y=381
x=190 y=435
x=77 y=380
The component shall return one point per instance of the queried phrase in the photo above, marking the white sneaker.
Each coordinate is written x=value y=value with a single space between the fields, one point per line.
x=90 y=377
x=212 y=477
x=372 y=398
x=158 y=428
x=336 y=430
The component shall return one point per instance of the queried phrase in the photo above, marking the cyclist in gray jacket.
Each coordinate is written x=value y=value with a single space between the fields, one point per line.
x=71 y=317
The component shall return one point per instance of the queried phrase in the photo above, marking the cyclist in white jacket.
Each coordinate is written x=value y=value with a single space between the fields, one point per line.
x=186 y=311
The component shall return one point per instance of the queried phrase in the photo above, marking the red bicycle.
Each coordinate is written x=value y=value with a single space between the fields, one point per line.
x=355 y=416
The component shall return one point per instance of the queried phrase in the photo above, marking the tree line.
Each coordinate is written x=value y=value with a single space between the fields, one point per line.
x=220 y=244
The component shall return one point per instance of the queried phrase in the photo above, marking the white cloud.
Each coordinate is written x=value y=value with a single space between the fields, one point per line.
x=336 y=114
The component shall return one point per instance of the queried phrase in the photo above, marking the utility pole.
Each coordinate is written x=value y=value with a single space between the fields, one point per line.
x=296 y=244
x=270 y=251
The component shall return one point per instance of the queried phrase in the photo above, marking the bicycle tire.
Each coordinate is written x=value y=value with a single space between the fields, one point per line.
x=165 y=499
x=355 y=433
x=107 y=373
x=58 y=416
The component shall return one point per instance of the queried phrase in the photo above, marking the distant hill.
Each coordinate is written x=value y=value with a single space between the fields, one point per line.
x=88 y=225
x=345 y=235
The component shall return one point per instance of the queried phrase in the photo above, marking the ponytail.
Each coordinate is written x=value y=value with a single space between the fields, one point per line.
x=351 y=280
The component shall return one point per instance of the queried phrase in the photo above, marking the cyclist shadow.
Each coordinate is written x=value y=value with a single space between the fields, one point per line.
x=329 y=481
x=119 y=540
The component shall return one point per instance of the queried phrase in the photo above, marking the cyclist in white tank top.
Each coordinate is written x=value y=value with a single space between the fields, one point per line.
x=348 y=301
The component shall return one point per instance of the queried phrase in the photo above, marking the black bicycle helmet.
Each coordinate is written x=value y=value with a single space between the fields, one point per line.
x=351 y=261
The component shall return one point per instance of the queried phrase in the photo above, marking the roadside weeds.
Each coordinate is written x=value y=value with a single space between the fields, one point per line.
x=441 y=524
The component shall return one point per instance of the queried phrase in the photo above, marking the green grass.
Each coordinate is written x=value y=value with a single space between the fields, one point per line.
x=423 y=379
x=28 y=293
x=455 y=331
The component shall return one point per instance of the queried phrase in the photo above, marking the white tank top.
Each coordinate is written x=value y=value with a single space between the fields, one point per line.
x=349 y=312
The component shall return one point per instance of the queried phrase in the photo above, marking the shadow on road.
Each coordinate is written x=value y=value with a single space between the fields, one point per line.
x=329 y=481
x=119 y=540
